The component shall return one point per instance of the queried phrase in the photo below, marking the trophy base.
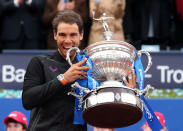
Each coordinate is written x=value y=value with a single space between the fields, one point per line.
x=112 y=107
x=112 y=115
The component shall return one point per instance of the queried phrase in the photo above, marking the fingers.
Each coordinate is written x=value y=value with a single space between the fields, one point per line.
x=79 y=66
x=128 y=82
x=134 y=77
x=125 y=81
x=81 y=62
x=72 y=75
x=77 y=76
x=77 y=71
x=131 y=82
x=85 y=68
x=82 y=73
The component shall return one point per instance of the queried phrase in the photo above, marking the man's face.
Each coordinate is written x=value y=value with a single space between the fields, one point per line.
x=12 y=126
x=67 y=36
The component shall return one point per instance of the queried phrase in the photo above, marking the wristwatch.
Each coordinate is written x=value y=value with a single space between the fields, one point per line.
x=61 y=79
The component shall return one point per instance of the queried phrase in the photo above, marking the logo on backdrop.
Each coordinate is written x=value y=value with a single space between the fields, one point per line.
x=169 y=75
x=166 y=71
x=12 y=70
x=11 y=74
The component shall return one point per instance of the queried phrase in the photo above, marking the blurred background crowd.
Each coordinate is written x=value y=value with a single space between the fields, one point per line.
x=27 y=24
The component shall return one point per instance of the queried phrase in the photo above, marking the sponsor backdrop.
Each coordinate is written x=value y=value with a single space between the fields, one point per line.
x=165 y=73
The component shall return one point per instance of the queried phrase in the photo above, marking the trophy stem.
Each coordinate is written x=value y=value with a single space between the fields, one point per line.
x=111 y=83
x=110 y=78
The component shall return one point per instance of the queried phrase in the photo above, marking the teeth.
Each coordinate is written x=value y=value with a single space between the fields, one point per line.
x=67 y=48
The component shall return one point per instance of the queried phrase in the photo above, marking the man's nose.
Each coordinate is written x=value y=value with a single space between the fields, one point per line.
x=68 y=40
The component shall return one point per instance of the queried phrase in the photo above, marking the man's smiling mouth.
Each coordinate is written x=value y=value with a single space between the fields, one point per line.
x=67 y=48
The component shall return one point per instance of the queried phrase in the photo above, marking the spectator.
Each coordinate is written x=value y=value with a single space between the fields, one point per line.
x=161 y=119
x=21 y=25
x=51 y=9
x=112 y=8
x=148 y=22
x=82 y=8
x=178 y=22
x=129 y=20
x=15 y=121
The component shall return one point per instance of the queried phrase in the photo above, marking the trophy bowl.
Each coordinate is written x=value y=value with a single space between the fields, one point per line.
x=112 y=104
x=112 y=59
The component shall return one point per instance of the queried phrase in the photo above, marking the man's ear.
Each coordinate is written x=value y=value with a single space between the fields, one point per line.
x=81 y=35
x=55 y=35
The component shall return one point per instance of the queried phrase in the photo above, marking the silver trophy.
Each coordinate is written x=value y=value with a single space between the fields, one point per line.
x=112 y=104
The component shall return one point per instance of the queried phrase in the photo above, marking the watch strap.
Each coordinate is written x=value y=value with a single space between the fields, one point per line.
x=61 y=79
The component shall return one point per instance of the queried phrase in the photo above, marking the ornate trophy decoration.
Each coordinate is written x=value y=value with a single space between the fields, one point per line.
x=107 y=34
x=111 y=104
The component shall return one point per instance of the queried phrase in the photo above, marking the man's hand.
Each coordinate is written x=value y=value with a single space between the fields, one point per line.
x=76 y=71
x=131 y=82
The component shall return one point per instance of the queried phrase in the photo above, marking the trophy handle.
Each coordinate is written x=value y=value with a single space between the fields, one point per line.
x=68 y=54
x=139 y=53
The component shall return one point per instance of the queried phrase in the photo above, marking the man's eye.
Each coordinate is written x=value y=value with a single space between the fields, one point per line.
x=74 y=34
x=61 y=34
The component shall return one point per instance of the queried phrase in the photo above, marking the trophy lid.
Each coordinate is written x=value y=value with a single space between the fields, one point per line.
x=111 y=45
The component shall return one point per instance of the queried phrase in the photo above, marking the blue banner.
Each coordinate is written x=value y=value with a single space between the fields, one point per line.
x=12 y=70
x=166 y=71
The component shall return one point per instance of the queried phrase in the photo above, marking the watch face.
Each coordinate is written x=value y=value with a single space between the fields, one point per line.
x=60 y=77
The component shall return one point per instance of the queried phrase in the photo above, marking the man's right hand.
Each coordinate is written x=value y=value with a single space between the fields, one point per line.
x=76 y=71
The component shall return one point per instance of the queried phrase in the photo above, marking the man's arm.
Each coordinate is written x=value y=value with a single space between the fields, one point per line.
x=35 y=91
